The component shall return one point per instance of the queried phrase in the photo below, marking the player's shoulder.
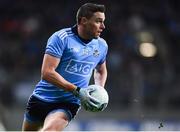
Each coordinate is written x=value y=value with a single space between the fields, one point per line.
x=63 y=33
x=102 y=41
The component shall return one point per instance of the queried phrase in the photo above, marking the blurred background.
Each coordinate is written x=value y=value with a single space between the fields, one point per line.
x=143 y=61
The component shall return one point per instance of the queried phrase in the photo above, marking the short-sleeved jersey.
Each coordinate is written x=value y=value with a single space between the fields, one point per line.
x=77 y=61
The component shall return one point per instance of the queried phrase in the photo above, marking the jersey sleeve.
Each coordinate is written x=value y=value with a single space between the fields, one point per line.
x=55 y=46
x=103 y=58
x=105 y=46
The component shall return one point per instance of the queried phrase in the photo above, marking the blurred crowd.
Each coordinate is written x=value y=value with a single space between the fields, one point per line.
x=134 y=81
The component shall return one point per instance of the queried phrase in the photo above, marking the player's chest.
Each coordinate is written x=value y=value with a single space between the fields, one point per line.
x=79 y=51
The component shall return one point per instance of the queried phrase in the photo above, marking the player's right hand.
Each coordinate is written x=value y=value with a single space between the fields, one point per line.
x=85 y=96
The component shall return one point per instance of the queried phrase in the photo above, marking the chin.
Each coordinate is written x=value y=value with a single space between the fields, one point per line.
x=95 y=37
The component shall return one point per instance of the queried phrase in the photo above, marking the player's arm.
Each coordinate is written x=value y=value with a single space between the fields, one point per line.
x=100 y=74
x=48 y=73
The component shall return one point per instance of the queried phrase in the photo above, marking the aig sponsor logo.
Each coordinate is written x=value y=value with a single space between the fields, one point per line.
x=81 y=68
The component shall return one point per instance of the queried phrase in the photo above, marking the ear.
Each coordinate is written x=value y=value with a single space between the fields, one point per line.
x=84 y=20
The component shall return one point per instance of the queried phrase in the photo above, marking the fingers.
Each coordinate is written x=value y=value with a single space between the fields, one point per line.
x=93 y=100
x=88 y=102
x=92 y=104
x=88 y=106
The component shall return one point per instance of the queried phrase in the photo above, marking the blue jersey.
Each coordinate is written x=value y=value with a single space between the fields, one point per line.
x=77 y=61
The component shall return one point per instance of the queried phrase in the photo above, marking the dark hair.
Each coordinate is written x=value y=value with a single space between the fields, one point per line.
x=87 y=10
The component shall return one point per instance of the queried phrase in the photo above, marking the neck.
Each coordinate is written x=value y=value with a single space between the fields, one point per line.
x=78 y=32
x=82 y=33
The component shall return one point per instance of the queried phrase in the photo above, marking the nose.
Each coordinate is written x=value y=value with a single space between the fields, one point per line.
x=102 y=26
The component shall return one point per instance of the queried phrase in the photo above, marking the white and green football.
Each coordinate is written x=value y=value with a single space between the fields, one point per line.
x=101 y=95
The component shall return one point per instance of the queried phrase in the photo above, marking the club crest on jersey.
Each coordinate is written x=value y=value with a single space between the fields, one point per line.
x=96 y=53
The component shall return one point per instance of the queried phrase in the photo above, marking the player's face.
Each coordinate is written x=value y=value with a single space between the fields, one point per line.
x=95 y=25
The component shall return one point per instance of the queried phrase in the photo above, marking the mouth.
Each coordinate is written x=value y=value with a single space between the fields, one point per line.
x=99 y=32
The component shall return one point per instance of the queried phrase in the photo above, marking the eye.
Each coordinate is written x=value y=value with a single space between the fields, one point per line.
x=99 y=21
